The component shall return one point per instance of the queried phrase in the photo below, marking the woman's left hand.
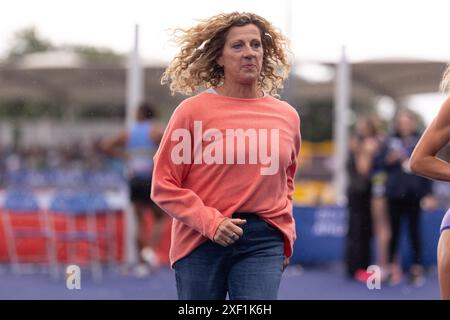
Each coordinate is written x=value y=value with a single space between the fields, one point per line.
x=286 y=262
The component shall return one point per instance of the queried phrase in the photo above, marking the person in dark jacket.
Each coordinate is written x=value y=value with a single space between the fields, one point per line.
x=364 y=145
x=404 y=190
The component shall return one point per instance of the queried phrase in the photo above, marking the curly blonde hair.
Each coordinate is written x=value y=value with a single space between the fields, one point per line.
x=195 y=66
x=445 y=83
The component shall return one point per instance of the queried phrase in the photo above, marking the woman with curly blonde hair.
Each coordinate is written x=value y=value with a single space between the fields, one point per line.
x=425 y=163
x=230 y=196
x=197 y=65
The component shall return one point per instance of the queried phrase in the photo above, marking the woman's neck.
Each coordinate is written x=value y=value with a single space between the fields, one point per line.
x=240 y=91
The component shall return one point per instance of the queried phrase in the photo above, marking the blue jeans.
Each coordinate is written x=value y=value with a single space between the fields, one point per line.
x=249 y=269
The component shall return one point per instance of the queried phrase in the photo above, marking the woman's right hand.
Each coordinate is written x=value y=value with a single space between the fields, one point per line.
x=229 y=231
x=371 y=146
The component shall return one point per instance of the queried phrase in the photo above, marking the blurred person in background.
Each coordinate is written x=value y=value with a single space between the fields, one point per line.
x=380 y=216
x=404 y=192
x=364 y=145
x=233 y=229
x=138 y=146
x=425 y=163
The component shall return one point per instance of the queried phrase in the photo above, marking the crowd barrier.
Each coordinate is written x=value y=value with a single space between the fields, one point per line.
x=320 y=234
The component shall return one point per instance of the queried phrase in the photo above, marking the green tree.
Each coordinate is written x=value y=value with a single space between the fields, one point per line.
x=92 y=54
x=28 y=41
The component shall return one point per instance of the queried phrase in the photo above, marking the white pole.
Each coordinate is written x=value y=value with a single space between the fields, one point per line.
x=135 y=81
x=289 y=19
x=342 y=102
x=289 y=90
x=134 y=96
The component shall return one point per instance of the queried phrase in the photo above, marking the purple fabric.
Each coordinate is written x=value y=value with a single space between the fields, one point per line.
x=446 y=221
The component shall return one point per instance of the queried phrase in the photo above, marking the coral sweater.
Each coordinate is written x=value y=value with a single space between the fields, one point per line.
x=201 y=176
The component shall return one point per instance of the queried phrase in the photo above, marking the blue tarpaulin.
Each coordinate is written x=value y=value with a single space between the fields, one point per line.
x=321 y=235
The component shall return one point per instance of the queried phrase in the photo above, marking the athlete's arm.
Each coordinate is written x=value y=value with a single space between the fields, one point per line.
x=114 y=146
x=157 y=132
x=423 y=159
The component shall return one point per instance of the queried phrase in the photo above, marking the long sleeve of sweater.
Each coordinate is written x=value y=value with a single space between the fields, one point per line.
x=168 y=191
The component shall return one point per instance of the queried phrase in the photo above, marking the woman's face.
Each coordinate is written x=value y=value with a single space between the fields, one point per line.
x=363 y=128
x=406 y=125
x=242 y=55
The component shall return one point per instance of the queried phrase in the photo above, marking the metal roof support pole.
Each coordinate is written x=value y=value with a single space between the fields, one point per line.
x=342 y=100
x=135 y=81
x=134 y=96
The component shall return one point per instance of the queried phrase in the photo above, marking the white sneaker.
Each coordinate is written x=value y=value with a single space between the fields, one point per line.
x=140 y=271
x=149 y=256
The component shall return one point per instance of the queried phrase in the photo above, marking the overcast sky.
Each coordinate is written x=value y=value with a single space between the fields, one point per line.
x=319 y=28
x=370 y=29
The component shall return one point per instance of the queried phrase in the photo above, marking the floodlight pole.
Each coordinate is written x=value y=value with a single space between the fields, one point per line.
x=135 y=81
x=342 y=101
x=134 y=96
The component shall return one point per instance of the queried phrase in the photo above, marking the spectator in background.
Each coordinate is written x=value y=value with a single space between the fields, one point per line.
x=364 y=145
x=425 y=163
x=380 y=216
x=138 y=146
x=404 y=192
